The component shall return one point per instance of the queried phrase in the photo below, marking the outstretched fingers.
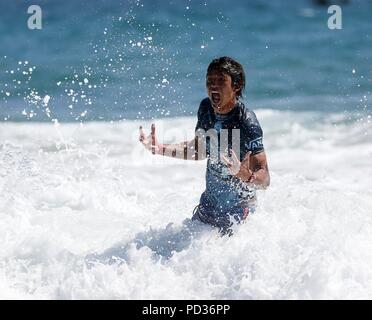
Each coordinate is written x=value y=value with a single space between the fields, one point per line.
x=141 y=134
x=234 y=157
x=232 y=163
x=150 y=142
x=226 y=161
x=153 y=138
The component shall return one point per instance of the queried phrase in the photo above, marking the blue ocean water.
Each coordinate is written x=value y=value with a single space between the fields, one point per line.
x=111 y=60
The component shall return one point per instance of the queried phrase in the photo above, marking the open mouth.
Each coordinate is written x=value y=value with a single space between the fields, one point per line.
x=216 y=97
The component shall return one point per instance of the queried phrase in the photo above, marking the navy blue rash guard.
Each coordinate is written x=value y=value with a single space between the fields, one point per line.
x=227 y=199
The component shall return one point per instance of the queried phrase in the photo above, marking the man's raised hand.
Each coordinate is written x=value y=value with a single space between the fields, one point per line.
x=233 y=163
x=150 y=142
x=237 y=168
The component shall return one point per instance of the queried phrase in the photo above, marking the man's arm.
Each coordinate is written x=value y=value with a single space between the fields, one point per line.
x=187 y=150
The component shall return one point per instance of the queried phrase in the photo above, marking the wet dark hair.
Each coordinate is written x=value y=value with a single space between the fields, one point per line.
x=232 y=68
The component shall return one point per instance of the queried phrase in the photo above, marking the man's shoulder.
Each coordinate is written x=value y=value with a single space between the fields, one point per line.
x=252 y=131
x=244 y=111
x=246 y=115
x=205 y=103
x=204 y=107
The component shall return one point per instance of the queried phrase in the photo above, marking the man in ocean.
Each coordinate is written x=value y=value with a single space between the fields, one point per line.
x=229 y=135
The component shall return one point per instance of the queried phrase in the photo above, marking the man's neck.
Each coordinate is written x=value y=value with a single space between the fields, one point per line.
x=226 y=109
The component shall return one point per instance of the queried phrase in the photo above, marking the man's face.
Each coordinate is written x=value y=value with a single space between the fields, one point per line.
x=220 y=90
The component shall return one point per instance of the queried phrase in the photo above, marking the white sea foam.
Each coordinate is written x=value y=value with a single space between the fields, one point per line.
x=86 y=214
